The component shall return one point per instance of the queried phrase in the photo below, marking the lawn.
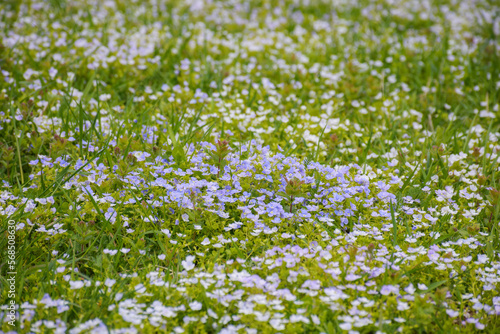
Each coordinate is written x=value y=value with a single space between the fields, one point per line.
x=204 y=166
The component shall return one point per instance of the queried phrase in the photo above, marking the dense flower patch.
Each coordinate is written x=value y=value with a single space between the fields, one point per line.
x=344 y=247
x=251 y=167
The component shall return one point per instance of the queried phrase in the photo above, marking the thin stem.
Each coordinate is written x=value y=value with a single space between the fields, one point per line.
x=20 y=162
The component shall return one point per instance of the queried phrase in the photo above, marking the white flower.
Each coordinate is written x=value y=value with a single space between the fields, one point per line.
x=345 y=326
x=188 y=263
x=109 y=282
x=104 y=97
x=28 y=73
x=141 y=156
x=110 y=251
x=76 y=285
x=402 y=306
x=195 y=306
x=52 y=72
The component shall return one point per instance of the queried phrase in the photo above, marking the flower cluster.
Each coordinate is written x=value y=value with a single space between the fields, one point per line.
x=251 y=167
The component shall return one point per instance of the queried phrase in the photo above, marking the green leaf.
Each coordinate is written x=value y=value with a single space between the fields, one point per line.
x=435 y=285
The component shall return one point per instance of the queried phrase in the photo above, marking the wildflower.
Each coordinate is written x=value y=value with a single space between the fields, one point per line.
x=188 y=263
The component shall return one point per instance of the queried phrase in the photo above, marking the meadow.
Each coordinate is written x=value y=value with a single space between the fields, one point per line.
x=264 y=166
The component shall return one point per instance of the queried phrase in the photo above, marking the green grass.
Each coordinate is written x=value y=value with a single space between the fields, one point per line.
x=362 y=161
